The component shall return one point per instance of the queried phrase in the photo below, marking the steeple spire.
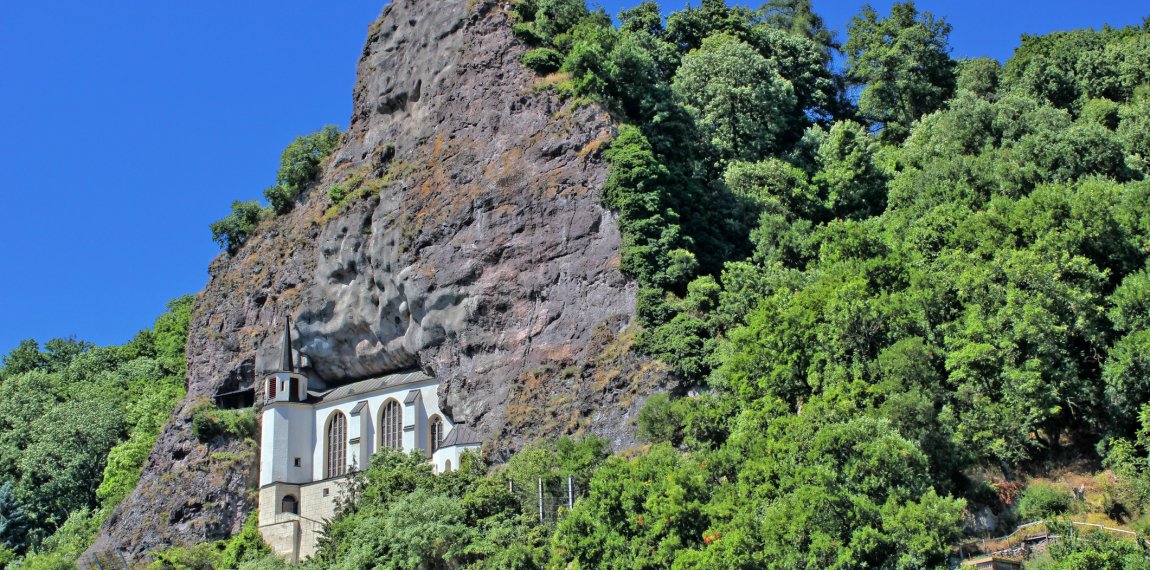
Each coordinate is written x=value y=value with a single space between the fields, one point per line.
x=287 y=365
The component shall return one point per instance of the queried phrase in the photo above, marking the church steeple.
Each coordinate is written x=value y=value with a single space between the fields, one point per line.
x=286 y=384
x=287 y=365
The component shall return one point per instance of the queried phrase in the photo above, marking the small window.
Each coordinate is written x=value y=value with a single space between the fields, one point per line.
x=298 y=462
x=272 y=389
x=289 y=505
x=326 y=491
x=435 y=433
x=447 y=466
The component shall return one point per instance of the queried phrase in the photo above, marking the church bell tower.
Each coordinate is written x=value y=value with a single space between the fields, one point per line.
x=285 y=384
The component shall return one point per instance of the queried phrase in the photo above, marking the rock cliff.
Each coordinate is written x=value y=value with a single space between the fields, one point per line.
x=473 y=246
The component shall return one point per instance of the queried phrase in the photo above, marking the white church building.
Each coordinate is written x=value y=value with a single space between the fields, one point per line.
x=311 y=441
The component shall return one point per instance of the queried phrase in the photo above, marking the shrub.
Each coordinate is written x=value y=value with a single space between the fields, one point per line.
x=1043 y=500
x=337 y=193
x=527 y=33
x=232 y=231
x=210 y=422
x=659 y=420
x=205 y=556
x=300 y=164
x=50 y=561
x=246 y=546
x=1101 y=111
x=280 y=199
x=542 y=60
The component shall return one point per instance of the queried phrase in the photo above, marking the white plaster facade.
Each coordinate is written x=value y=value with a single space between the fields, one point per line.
x=295 y=455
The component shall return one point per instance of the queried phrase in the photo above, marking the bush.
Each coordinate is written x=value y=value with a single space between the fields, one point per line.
x=232 y=231
x=1043 y=500
x=50 y=561
x=210 y=422
x=280 y=199
x=542 y=60
x=660 y=420
x=337 y=193
x=205 y=556
x=1101 y=111
x=527 y=33
x=300 y=164
x=75 y=535
x=243 y=550
x=247 y=546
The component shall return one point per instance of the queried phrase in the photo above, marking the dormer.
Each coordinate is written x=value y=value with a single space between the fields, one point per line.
x=285 y=384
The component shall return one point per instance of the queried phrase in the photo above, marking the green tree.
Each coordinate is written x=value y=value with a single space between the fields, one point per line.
x=636 y=514
x=24 y=358
x=64 y=461
x=979 y=76
x=798 y=18
x=690 y=27
x=903 y=64
x=232 y=231
x=300 y=163
x=736 y=96
x=1127 y=377
x=848 y=177
x=14 y=523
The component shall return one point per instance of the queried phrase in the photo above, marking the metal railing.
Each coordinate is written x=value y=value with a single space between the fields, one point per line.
x=1034 y=537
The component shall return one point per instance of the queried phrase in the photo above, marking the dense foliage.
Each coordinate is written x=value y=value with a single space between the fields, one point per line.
x=878 y=285
x=76 y=424
x=873 y=298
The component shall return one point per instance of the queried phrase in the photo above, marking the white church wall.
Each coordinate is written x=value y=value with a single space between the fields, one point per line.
x=369 y=437
x=268 y=455
x=303 y=440
x=451 y=453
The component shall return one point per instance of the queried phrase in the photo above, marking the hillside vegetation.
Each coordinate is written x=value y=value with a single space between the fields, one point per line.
x=892 y=291
x=77 y=423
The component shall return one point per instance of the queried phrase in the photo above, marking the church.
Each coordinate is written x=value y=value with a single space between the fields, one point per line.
x=312 y=440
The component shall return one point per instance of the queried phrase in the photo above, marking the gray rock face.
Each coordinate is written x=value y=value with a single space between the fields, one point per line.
x=474 y=247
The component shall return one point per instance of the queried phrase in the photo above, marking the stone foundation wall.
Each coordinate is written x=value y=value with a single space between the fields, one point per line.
x=294 y=537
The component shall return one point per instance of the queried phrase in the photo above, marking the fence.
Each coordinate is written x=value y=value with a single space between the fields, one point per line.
x=1032 y=538
x=548 y=498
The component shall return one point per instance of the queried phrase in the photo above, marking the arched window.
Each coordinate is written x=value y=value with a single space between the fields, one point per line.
x=391 y=425
x=447 y=466
x=289 y=505
x=336 y=445
x=435 y=432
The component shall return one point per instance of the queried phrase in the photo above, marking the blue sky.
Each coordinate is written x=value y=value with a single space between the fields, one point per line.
x=127 y=127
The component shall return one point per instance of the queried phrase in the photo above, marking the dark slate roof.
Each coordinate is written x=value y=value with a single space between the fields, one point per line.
x=370 y=386
x=461 y=434
x=286 y=364
x=359 y=407
x=412 y=396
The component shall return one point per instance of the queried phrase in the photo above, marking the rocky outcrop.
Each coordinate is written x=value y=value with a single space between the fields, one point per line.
x=473 y=246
